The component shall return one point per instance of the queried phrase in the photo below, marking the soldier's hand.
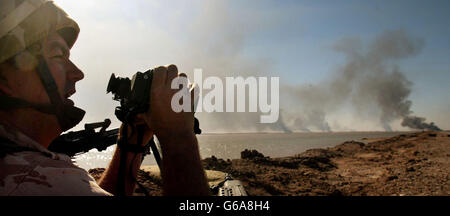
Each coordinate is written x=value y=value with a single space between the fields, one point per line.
x=161 y=118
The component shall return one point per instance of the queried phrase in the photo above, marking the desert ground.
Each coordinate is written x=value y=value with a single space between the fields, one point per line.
x=411 y=164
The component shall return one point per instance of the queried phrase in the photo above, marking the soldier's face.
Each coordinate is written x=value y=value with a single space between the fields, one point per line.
x=66 y=74
x=26 y=84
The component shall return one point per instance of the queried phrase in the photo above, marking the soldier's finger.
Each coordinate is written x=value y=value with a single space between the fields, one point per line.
x=159 y=76
x=172 y=72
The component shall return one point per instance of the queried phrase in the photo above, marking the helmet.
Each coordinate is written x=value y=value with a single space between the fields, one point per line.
x=25 y=22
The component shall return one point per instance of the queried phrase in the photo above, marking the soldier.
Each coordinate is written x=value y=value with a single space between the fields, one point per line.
x=37 y=78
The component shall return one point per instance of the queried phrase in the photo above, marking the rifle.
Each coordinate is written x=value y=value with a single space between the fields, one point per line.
x=79 y=142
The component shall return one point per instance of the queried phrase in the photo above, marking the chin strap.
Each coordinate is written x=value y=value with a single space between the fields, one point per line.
x=68 y=116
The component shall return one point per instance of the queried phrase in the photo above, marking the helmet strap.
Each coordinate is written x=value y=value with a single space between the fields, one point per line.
x=68 y=116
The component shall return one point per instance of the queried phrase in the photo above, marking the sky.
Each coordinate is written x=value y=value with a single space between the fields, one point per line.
x=293 y=40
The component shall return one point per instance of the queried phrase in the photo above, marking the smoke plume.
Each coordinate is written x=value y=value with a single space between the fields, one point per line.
x=370 y=82
x=419 y=123
x=216 y=42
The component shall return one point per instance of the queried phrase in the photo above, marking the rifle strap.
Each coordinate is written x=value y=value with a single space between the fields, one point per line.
x=135 y=148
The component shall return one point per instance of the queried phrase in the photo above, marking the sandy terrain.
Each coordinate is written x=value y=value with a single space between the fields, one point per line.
x=409 y=164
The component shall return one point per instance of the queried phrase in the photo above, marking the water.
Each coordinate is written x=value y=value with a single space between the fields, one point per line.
x=230 y=146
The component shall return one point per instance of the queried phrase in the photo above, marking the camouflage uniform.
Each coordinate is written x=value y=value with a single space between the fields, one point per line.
x=38 y=171
x=26 y=167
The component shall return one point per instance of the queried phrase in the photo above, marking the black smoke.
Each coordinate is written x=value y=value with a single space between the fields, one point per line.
x=370 y=81
x=419 y=123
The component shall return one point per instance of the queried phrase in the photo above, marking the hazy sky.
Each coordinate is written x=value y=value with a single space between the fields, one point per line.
x=289 y=39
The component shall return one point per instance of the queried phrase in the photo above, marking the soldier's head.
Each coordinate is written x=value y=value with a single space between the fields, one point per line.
x=36 y=75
